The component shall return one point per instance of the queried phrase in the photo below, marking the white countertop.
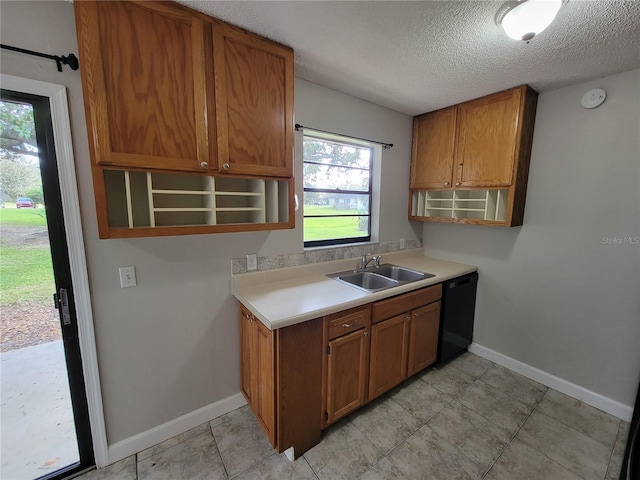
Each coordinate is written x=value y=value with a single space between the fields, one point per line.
x=283 y=297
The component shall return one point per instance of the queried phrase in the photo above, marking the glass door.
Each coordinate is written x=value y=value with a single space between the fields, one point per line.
x=44 y=415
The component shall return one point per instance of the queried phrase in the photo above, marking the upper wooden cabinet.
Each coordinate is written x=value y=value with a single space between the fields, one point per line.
x=168 y=92
x=470 y=162
x=487 y=140
x=433 y=147
x=254 y=103
x=147 y=101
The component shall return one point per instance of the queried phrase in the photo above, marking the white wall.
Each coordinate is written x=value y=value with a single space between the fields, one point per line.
x=169 y=346
x=552 y=293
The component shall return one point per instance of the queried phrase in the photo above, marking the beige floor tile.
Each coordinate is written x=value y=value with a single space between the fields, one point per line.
x=125 y=469
x=385 y=424
x=174 y=441
x=420 y=399
x=521 y=462
x=515 y=385
x=196 y=458
x=383 y=470
x=241 y=441
x=450 y=381
x=471 y=364
x=494 y=405
x=343 y=453
x=579 y=453
x=425 y=455
x=476 y=437
x=615 y=462
x=277 y=467
x=586 y=419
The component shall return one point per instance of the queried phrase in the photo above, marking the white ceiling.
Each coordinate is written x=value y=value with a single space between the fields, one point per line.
x=418 y=56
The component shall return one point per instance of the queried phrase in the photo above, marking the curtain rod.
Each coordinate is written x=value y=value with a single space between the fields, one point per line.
x=71 y=60
x=384 y=145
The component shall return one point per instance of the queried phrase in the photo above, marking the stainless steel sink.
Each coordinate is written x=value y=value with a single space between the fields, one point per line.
x=380 y=277
x=400 y=274
x=371 y=282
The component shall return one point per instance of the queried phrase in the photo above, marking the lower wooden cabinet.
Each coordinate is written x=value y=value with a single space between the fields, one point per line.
x=404 y=343
x=281 y=379
x=423 y=338
x=388 y=354
x=258 y=371
x=347 y=374
x=300 y=379
x=372 y=348
x=346 y=362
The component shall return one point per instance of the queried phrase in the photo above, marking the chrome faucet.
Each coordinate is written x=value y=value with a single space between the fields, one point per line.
x=368 y=258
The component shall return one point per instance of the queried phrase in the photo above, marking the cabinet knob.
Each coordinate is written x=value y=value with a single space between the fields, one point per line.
x=446 y=183
x=458 y=183
x=204 y=165
x=366 y=334
x=408 y=317
x=225 y=166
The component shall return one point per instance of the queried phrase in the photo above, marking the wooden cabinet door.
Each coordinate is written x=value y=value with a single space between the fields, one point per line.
x=388 y=365
x=143 y=70
x=254 y=103
x=487 y=140
x=346 y=374
x=264 y=405
x=247 y=354
x=423 y=337
x=433 y=148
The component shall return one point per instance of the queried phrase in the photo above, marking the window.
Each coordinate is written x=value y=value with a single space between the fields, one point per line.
x=337 y=178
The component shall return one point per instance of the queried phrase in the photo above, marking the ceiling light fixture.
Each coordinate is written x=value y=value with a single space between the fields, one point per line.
x=524 y=19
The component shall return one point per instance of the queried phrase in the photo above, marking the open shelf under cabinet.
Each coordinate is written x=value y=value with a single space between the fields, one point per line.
x=475 y=205
x=138 y=200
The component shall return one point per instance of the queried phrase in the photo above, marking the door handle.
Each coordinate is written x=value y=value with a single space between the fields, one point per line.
x=63 y=299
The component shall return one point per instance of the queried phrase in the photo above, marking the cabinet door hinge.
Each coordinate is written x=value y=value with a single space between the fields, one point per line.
x=328 y=349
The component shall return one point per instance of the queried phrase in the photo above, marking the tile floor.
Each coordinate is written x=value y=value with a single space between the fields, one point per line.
x=470 y=419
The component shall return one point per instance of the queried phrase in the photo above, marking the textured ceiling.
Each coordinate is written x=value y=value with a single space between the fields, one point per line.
x=415 y=56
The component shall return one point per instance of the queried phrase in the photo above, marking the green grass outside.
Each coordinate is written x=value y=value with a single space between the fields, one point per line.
x=26 y=272
x=23 y=216
x=332 y=227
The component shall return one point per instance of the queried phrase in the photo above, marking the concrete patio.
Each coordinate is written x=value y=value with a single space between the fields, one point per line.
x=36 y=420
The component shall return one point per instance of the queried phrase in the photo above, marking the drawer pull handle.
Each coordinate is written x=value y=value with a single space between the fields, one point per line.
x=349 y=325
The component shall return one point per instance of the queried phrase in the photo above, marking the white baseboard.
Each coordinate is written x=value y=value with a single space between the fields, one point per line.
x=594 y=399
x=155 y=435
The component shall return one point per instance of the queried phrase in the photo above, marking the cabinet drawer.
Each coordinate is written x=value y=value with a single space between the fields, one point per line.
x=403 y=303
x=348 y=321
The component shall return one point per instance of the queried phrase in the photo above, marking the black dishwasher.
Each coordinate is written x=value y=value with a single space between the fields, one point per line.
x=456 y=321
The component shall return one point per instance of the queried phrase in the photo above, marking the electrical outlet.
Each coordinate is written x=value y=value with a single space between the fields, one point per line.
x=127 y=277
x=252 y=262
x=402 y=244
